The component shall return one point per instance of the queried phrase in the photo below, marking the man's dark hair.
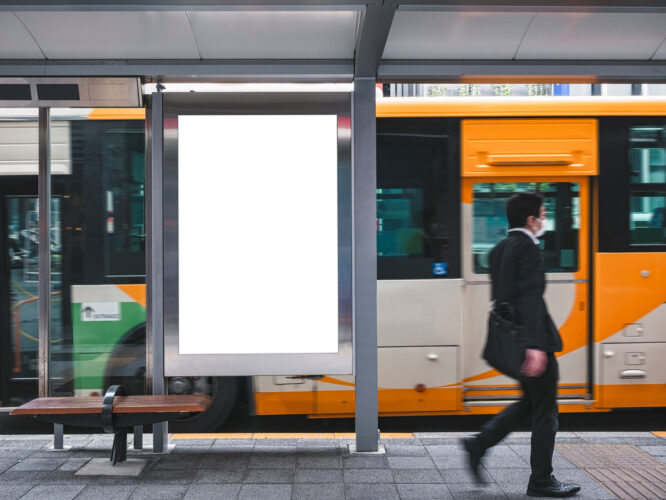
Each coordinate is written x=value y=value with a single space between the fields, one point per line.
x=520 y=206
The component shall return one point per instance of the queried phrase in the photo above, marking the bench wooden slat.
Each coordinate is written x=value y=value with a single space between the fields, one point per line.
x=122 y=404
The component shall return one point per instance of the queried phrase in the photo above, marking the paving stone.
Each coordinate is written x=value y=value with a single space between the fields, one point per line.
x=169 y=476
x=636 y=441
x=270 y=476
x=419 y=476
x=116 y=492
x=271 y=461
x=318 y=476
x=463 y=476
x=500 y=451
x=69 y=477
x=364 y=462
x=423 y=491
x=411 y=463
x=371 y=491
x=53 y=492
x=475 y=490
x=319 y=460
x=318 y=443
x=233 y=443
x=181 y=461
x=24 y=443
x=442 y=441
x=7 y=463
x=318 y=491
x=276 y=442
x=445 y=450
x=450 y=462
x=655 y=451
x=265 y=492
x=222 y=461
x=440 y=435
x=159 y=492
x=14 y=491
x=514 y=461
x=212 y=491
x=401 y=442
x=39 y=464
x=219 y=476
x=193 y=443
x=405 y=450
x=74 y=464
x=368 y=476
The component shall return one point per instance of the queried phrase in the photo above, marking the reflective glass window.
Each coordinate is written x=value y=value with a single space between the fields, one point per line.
x=98 y=313
x=417 y=199
x=19 y=255
x=647 y=154
x=560 y=242
x=647 y=221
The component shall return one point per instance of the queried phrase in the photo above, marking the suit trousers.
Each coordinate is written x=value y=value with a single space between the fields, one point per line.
x=540 y=403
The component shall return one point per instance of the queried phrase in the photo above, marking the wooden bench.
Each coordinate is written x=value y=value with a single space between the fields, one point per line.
x=115 y=412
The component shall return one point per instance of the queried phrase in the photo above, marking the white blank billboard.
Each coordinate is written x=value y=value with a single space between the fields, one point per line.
x=257 y=234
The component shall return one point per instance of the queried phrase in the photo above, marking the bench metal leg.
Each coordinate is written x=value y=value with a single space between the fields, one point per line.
x=138 y=437
x=119 y=450
x=58 y=436
x=160 y=437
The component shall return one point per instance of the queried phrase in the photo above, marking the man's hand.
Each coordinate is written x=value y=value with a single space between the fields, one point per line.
x=535 y=363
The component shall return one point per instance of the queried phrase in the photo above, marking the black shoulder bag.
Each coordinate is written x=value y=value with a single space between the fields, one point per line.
x=505 y=348
x=505 y=344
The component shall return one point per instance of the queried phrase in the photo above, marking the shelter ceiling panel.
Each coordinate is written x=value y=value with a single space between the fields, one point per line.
x=456 y=35
x=112 y=35
x=660 y=55
x=588 y=35
x=276 y=34
x=15 y=40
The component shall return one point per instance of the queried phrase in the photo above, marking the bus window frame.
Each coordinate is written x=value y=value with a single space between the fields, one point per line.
x=615 y=188
x=584 y=192
x=449 y=127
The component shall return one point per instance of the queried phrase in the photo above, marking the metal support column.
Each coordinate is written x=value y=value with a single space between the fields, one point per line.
x=154 y=262
x=44 y=270
x=364 y=151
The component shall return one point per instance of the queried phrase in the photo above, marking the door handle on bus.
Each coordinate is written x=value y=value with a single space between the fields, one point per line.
x=633 y=374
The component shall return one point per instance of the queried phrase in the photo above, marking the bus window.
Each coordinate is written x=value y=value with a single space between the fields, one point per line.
x=560 y=243
x=417 y=199
x=647 y=198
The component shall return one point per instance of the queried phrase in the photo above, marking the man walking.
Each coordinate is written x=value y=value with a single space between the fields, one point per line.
x=521 y=283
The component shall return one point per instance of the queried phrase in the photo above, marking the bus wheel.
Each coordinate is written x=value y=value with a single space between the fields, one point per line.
x=223 y=391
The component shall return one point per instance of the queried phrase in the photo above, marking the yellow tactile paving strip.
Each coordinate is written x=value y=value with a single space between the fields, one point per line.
x=624 y=470
x=282 y=435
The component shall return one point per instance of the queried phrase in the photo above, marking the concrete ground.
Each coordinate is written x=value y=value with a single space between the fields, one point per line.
x=319 y=466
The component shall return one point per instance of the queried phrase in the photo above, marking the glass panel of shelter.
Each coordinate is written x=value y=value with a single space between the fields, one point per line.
x=97 y=325
x=19 y=220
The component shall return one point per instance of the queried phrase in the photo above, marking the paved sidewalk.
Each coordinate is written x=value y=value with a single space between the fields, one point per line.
x=416 y=466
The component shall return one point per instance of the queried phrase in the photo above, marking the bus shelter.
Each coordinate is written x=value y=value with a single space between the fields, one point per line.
x=88 y=54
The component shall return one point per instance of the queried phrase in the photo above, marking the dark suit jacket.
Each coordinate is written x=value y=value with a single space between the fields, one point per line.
x=518 y=278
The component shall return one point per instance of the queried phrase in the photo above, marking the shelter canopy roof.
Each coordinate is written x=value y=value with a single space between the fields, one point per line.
x=329 y=40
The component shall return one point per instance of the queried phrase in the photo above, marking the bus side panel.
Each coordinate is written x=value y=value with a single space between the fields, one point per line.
x=630 y=314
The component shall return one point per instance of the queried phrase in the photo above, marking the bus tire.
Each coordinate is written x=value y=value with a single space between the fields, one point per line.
x=224 y=395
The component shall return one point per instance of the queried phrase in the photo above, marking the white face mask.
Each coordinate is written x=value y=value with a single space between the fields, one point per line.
x=542 y=230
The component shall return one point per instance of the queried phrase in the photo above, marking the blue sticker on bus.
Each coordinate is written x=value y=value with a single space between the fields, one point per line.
x=439 y=269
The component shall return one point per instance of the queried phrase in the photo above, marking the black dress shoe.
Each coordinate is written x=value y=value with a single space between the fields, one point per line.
x=551 y=488
x=474 y=455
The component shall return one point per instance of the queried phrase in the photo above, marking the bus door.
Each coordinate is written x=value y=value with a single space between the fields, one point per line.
x=492 y=172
